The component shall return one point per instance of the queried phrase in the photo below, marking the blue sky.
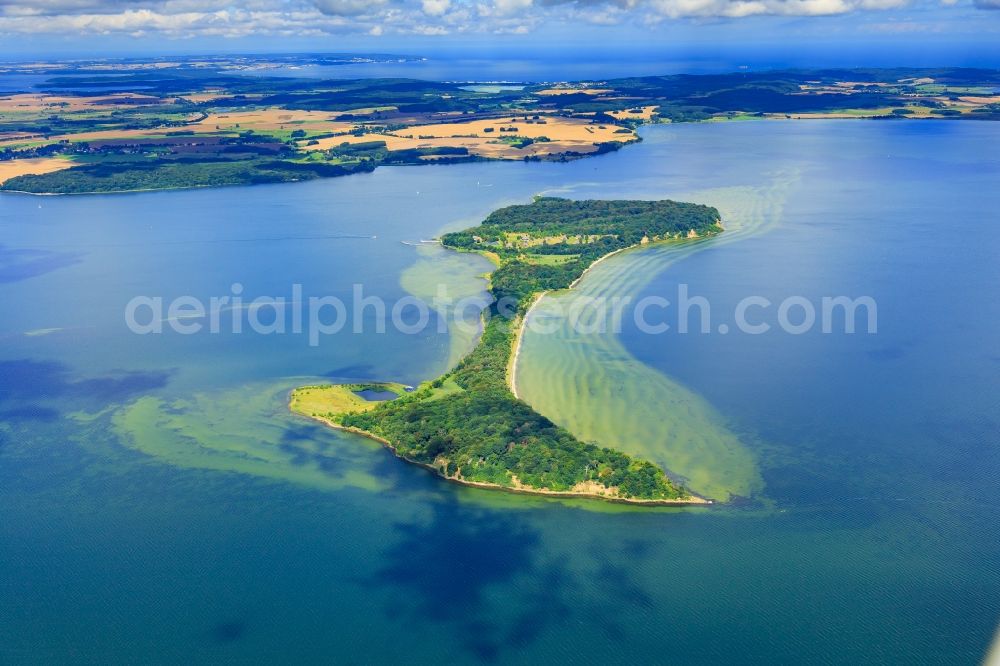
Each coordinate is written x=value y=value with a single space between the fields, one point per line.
x=955 y=31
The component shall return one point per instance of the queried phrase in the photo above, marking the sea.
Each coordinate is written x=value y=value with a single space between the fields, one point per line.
x=159 y=504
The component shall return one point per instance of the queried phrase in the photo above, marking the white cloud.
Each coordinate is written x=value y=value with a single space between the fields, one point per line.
x=676 y=9
x=347 y=7
x=507 y=7
x=186 y=18
x=435 y=7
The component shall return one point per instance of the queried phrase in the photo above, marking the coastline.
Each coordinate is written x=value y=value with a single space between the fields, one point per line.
x=146 y=189
x=512 y=366
x=692 y=500
x=515 y=354
x=554 y=157
x=512 y=369
x=597 y=261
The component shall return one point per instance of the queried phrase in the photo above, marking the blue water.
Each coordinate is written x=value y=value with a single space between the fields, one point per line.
x=530 y=63
x=373 y=395
x=874 y=540
x=491 y=67
x=594 y=59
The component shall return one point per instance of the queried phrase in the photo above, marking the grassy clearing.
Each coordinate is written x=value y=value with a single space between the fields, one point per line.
x=334 y=400
x=448 y=387
x=550 y=259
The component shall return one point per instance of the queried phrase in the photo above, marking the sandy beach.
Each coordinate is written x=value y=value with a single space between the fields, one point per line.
x=512 y=366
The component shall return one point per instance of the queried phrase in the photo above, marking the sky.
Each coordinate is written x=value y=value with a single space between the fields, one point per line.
x=961 y=31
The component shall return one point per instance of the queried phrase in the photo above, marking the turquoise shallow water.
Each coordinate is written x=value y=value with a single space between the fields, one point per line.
x=160 y=505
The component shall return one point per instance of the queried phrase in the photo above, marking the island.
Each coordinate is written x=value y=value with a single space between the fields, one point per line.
x=467 y=425
x=134 y=125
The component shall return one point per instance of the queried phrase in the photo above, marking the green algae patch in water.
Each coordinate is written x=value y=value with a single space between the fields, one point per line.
x=454 y=277
x=247 y=431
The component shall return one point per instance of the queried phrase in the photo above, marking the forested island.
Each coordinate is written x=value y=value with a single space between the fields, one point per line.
x=200 y=123
x=467 y=425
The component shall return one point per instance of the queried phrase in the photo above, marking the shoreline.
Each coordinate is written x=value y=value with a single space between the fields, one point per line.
x=597 y=261
x=512 y=367
x=692 y=500
x=512 y=370
x=139 y=191
x=554 y=157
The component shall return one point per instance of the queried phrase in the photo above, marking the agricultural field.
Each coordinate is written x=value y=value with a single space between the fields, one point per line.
x=167 y=124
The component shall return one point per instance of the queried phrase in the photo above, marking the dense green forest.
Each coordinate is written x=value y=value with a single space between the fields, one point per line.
x=154 y=173
x=468 y=424
x=242 y=166
x=583 y=230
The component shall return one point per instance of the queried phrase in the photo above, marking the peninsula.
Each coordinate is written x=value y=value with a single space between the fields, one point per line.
x=467 y=425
